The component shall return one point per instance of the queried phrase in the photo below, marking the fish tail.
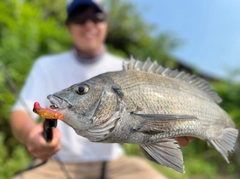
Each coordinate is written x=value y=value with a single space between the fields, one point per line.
x=225 y=142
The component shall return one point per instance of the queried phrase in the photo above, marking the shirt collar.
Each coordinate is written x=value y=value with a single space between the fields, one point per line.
x=88 y=58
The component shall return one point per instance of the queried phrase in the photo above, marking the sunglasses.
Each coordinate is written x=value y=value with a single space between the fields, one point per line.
x=83 y=18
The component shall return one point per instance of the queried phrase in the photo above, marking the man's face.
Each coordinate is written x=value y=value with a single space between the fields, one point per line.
x=88 y=36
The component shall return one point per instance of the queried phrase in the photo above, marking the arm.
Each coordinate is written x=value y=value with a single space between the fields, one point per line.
x=30 y=134
x=21 y=124
x=24 y=128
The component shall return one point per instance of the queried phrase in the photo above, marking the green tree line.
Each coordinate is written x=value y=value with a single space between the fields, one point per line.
x=32 y=28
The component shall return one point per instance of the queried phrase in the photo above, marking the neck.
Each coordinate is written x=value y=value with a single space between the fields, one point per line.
x=90 y=55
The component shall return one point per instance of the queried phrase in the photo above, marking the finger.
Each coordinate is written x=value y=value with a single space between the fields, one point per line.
x=191 y=138
x=56 y=138
x=42 y=156
x=36 y=143
x=183 y=141
x=46 y=153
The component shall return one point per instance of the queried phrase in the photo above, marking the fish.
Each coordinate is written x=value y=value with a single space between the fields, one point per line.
x=148 y=105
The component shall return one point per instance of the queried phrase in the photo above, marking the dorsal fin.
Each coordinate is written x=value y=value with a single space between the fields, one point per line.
x=153 y=67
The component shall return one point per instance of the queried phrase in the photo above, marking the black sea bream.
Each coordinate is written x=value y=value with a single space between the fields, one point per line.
x=148 y=105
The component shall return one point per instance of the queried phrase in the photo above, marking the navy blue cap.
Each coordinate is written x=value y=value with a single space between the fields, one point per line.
x=76 y=3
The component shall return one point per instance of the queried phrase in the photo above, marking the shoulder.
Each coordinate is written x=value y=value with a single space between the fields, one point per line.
x=110 y=62
x=53 y=62
x=112 y=57
x=46 y=60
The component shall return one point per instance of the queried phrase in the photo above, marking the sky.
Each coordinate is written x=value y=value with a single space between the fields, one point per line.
x=209 y=29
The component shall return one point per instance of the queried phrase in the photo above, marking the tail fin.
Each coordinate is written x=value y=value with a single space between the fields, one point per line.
x=225 y=142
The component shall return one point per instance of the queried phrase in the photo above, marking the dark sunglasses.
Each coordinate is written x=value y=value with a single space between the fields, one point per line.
x=83 y=18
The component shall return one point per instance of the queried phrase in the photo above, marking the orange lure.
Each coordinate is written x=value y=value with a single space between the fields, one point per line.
x=46 y=112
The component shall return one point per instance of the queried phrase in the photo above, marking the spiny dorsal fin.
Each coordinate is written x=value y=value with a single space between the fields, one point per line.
x=153 y=67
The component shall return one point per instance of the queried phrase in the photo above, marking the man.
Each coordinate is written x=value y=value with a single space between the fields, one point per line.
x=73 y=156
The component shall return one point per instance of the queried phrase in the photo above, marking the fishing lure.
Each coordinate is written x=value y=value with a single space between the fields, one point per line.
x=46 y=112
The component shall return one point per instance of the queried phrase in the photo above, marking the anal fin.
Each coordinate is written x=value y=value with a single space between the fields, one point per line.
x=225 y=142
x=166 y=152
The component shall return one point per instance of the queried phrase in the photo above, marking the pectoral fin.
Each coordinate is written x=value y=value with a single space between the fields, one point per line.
x=166 y=152
x=158 y=123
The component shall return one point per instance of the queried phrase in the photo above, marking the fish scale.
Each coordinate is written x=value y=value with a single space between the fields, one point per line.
x=148 y=105
x=166 y=103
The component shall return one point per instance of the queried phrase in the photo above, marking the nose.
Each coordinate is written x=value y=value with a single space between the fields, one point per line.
x=55 y=100
x=58 y=101
x=89 y=23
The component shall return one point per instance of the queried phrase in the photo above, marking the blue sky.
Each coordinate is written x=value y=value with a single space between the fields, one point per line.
x=210 y=30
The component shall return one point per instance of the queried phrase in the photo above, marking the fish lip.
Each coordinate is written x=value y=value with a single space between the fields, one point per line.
x=57 y=102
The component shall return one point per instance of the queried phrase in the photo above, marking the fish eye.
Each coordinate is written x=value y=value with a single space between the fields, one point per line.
x=82 y=89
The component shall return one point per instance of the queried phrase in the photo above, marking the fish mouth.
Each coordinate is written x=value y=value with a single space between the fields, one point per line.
x=58 y=103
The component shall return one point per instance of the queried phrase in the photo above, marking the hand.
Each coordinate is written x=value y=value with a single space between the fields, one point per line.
x=183 y=141
x=38 y=146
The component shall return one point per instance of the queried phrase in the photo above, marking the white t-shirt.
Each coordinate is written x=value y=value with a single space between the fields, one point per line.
x=53 y=73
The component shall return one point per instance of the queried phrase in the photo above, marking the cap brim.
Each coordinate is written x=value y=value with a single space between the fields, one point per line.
x=76 y=4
